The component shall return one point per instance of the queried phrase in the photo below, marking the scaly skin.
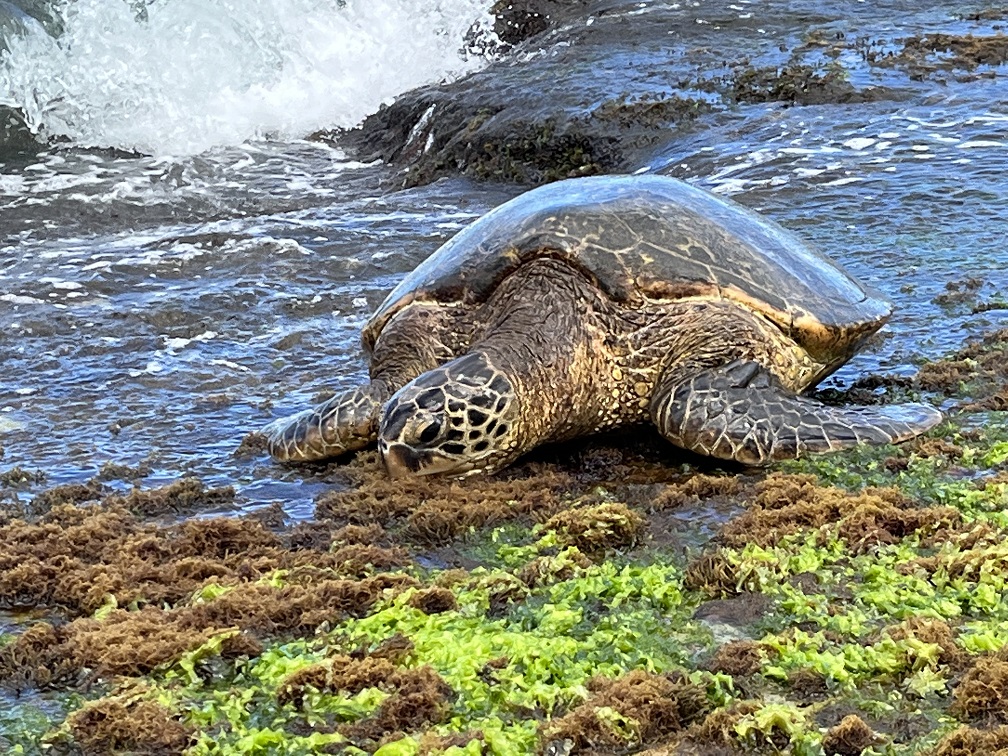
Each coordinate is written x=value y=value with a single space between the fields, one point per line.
x=740 y=411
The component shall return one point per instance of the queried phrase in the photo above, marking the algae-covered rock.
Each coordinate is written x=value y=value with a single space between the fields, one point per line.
x=111 y=725
x=632 y=710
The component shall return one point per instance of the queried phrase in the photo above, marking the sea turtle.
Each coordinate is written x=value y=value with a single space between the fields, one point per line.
x=600 y=302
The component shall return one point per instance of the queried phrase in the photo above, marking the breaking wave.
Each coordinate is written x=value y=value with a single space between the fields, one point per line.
x=175 y=77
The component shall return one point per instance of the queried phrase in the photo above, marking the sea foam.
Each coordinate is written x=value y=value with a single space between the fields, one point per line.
x=177 y=77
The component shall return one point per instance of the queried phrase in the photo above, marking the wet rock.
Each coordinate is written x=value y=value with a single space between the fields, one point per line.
x=69 y=493
x=119 y=471
x=289 y=341
x=518 y=121
x=519 y=20
x=443 y=133
x=736 y=612
x=19 y=477
x=957 y=292
x=799 y=85
x=14 y=132
x=522 y=123
x=253 y=444
x=936 y=55
x=964 y=51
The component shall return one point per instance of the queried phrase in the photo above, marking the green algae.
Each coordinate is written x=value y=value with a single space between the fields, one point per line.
x=836 y=605
x=554 y=643
x=773 y=723
x=552 y=652
x=22 y=725
x=981 y=446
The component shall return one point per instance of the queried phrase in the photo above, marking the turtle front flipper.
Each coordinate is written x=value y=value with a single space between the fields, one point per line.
x=740 y=411
x=345 y=423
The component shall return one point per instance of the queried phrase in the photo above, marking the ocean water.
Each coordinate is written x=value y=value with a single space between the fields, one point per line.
x=185 y=76
x=180 y=263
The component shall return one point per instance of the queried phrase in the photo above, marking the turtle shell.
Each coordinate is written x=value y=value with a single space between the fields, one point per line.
x=651 y=238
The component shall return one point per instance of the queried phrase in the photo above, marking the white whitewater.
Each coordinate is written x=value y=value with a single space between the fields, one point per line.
x=178 y=77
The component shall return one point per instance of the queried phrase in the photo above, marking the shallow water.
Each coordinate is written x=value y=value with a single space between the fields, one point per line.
x=161 y=307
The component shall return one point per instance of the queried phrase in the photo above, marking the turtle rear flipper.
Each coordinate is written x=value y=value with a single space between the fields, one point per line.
x=347 y=422
x=741 y=411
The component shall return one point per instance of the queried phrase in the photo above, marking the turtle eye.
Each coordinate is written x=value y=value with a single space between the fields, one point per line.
x=430 y=432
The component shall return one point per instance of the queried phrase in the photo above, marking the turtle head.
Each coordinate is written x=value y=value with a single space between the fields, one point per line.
x=457 y=420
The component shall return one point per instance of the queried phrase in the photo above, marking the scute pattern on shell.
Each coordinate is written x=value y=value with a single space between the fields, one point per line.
x=650 y=237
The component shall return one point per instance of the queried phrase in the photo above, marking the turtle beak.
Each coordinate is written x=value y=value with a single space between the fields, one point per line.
x=401 y=461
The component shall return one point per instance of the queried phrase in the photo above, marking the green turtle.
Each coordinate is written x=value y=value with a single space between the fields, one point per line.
x=599 y=302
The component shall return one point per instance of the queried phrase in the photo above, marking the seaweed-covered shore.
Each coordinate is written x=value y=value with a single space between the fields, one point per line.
x=596 y=599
